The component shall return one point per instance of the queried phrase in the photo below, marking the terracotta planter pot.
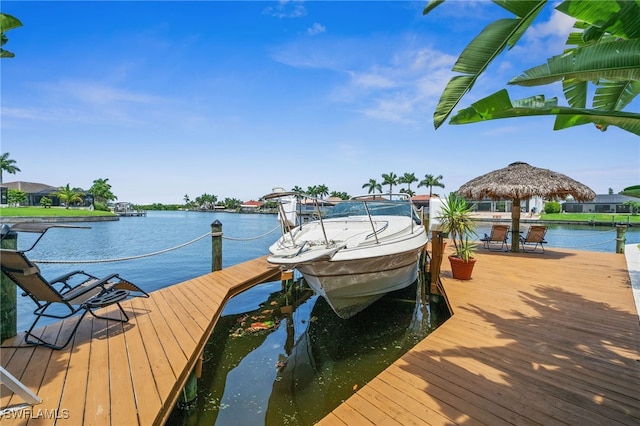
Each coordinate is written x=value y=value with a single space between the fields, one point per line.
x=460 y=269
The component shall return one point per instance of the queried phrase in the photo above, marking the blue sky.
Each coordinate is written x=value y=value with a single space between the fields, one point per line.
x=234 y=98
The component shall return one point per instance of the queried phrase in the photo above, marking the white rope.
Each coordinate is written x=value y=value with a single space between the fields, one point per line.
x=584 y=235
x=592 y=245
x=120 y=259
x=155 y=253
x=253 y=238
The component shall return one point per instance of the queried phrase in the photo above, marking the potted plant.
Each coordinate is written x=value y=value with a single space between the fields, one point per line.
x=455 y=218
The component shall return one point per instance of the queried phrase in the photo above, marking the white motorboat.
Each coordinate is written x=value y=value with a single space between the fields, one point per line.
x=354 y=252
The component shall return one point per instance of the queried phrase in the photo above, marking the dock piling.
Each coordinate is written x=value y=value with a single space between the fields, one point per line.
x=216 y=246
x=8 y=290
x=621 y=238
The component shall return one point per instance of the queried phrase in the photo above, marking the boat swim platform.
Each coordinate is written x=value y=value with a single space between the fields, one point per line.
x=546 y=339
x=125 y=374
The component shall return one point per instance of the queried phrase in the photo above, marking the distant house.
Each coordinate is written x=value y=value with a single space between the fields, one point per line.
x=251 y=206
x=35 y=192
x=421 y=201
x=604 y=203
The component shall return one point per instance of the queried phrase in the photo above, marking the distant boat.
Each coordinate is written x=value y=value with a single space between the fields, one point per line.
x=126 y=209
x=353 y=253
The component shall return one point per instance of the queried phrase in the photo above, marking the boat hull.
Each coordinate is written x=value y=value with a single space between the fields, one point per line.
x=349 y=286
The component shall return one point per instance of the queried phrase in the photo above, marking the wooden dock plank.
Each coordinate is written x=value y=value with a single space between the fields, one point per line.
x=545 y=339
x=535 y=339
x=123 y=402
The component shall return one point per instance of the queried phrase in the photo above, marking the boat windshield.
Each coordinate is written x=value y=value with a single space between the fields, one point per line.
x=376 y=208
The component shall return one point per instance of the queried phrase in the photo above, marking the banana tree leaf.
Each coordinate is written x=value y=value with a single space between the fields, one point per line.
x=615 y=95
x=575 y=91
x=616 y=61
x=499 y=105
x=482 y=50
x=619 y=18
x=431 y=5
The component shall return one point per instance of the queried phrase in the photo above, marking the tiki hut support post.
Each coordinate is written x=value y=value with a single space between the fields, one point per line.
x=515 y=225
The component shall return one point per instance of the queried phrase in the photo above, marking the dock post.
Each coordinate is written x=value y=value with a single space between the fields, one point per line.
x=621 y=231
x=8 y=290
x=216 y=246
x=187 y=398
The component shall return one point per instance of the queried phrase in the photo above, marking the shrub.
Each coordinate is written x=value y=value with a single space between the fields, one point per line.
x=551 y=207
x=100 y=206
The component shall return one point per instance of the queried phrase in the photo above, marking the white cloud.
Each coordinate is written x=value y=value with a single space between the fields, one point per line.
x=316 y=29
x=286 y=9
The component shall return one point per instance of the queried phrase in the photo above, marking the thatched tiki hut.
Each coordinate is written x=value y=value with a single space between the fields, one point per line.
x=520 y=181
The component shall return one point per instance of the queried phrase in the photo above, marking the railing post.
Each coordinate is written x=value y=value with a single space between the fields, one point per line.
x=621 y=231
x=216 y=246
x=8 y=291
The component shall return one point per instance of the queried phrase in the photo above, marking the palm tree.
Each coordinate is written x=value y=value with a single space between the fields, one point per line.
x=373 y=186
x=8 y=23
x=322 y=191
x=390 y=179
x=7 y=165
x=297 y=189
x=431 y=181
x=68 y=195
x=602 y=50
x=408 y=178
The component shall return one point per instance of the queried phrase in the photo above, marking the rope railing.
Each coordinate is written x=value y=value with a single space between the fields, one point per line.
x=155 y=253
x=588 y=234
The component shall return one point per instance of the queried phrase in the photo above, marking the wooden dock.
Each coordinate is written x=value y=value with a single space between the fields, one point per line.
x=131 y=374
x=534 y=339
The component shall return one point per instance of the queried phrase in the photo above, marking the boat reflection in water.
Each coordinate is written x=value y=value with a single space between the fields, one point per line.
x=302 y=360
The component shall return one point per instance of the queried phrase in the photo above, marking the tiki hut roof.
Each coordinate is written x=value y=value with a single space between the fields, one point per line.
x=521 y=181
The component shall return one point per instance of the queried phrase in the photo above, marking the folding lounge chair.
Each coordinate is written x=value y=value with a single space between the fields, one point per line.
x=499 y=235
x=88 y=294
x=535 y=237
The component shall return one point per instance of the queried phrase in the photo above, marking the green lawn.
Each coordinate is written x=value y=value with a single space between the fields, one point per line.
x=598 y=217
x=50 y=212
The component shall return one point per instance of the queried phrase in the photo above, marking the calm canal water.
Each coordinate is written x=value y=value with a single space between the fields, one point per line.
x=305 y=360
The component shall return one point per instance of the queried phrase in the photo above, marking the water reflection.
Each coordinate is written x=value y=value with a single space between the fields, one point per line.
x=291 y=360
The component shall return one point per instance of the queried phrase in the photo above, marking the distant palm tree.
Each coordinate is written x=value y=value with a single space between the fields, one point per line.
x=408 y=178
x=7 y=165
x=68 y=195
x=340 y=194
x=297 y=189
x=408 y=192
x=322 y=191
x=312 y=190
x=390 y=179
x=373 y=186
x=431 y=181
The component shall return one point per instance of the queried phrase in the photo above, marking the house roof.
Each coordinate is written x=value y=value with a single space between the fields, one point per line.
x=29 y=187
x=252 y=203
